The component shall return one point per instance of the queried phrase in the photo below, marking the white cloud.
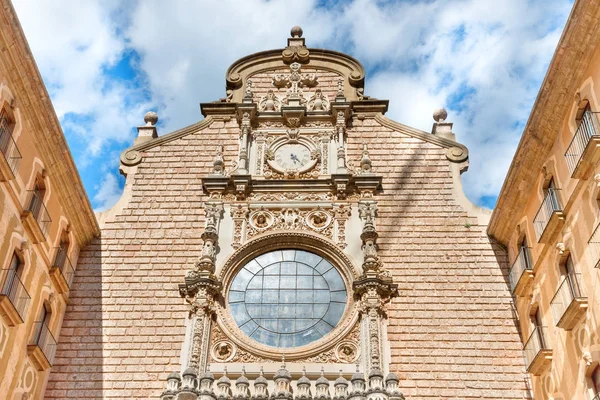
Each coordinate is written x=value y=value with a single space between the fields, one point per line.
x=107 y=193
x=422 y=55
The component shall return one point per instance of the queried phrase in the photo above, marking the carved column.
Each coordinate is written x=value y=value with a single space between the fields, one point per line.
x=245 y=130
x=201 y=287
x=340 y=128
x=259 y=138
x=341 y=213
x=374 y=288
x=325 y=140
x=239 y=213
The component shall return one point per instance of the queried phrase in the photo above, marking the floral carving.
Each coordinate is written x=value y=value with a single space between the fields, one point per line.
x=319 y=221
x=223 y=351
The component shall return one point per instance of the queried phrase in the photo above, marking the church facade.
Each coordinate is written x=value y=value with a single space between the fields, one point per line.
x=294 y=243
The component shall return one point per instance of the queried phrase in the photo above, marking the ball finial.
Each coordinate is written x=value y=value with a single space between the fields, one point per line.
x=296 y=32
x=440 y=115
x=150 y=118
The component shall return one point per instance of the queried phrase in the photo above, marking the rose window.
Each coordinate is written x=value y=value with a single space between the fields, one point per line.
x=287 y=298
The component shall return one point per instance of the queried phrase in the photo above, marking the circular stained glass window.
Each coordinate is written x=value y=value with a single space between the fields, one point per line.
x=287 y=298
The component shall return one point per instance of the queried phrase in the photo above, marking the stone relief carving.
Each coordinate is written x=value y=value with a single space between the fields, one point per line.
x=270 y=102
x=223 y=351
x=318 y=102
x=282 y=196
x=318 y=221
x=347 y=352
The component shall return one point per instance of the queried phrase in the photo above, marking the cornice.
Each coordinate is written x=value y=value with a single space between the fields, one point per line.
x=565 y=73
x=456 y=152
x=34 y=101
x=133 y=155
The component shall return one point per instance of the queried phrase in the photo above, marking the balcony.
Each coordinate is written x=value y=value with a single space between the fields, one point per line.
x=9 y=162
x=521 y=273
x=584 y=150
x=35 y=217
x=594 y=246
x=61 y=271
x=549 y=217
x=538 y=354
x=569 y=303
x=42 y=348
x=14 y=299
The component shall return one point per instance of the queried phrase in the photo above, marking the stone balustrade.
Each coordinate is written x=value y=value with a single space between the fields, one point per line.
x=191 y=386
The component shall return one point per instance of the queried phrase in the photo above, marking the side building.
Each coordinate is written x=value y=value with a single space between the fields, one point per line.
x=45 y=219
x=548 y=216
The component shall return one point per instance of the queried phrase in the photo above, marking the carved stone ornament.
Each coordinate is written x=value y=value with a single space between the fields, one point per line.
x=318 y=102
x=223 y=351
x=294 y=81
x=261 y=220
x=269 y=103
x=319 y=221
x=347 y=352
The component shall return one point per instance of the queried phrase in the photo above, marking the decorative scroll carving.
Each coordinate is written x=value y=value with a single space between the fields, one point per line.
x=324 y=138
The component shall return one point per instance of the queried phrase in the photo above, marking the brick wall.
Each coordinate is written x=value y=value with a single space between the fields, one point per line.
x=452 y=331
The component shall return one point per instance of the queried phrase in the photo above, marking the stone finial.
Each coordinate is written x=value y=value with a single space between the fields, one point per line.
x=148 y=131
x=150 y=118
x=440 y=126
x=296 y=32
x=440 y=115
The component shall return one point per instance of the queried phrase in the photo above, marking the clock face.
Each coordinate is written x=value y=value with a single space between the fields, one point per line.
x=292 y=156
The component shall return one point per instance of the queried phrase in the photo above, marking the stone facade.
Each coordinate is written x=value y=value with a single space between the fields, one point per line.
x=428 y=309
x=547 y=216
x=45 y=218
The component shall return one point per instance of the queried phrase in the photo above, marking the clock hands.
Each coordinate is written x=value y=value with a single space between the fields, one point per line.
x=295 y=159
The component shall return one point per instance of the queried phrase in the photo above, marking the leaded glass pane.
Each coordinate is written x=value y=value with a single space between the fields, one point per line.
x=287 y=298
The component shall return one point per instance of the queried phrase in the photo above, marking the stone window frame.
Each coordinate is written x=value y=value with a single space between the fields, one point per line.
x=286 y=240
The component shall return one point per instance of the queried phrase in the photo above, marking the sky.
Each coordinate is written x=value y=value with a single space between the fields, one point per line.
x=105 y=63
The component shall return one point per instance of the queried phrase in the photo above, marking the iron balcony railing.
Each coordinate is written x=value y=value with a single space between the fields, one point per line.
x=538 y=341
x=8 y=147
x=569 y=289
x=43 y=339
x=13 y=288
x=588 y=128
x=63 y=263
x=522 y=263
x=35 y=204
x=548 y=207
x=594 y=246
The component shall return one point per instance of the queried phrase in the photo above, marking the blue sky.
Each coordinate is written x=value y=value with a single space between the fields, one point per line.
x=106 y=63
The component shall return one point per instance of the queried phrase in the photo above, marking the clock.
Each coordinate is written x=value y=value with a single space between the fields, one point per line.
x=292 y=156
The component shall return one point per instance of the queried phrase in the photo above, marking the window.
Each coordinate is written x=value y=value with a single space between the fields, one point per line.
x=13 y=275
x=8 y=147
x=552 y=195
x=538 y=326
x=41 y=325
x=596 y=382
x=36 y=204
x=287 y=298
x=568 y=273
